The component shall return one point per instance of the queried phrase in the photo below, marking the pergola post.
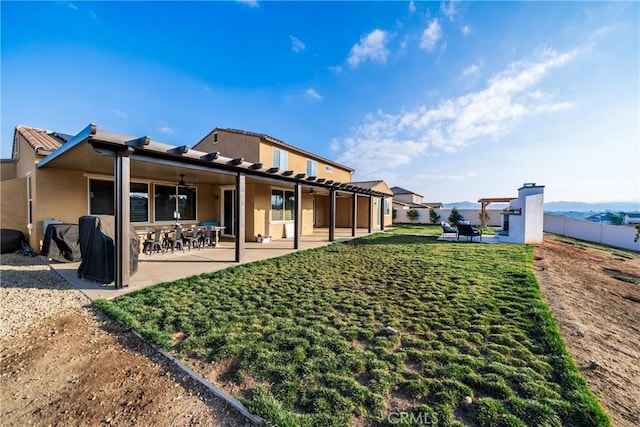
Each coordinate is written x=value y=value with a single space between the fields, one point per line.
x=332 y=215
x=122 y=179
x=240 y=215
x=381 y=213
x=297 y=233
x=370 y=214
x=354 y=215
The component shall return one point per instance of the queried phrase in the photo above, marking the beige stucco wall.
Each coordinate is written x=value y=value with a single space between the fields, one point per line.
x=8 y=169
x=13 y=208
x=59 y=194
x=298 y=163
x=344 y=208
x=231 y=144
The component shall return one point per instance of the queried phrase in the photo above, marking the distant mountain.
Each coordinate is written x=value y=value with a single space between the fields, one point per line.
x=591 y=207
x=560 y=206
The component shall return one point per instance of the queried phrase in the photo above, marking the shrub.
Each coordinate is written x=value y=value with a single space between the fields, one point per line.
x=434 y=218
x=413 y=214
x=455 y=216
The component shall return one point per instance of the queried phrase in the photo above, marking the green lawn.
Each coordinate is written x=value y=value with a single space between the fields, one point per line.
x=309 y=330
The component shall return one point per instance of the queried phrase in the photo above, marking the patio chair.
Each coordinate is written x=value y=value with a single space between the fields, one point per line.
x=207 y=237
x=448 y=229
x=469 y=231
x=152 y=244
x=176 y=241
x=192 y=241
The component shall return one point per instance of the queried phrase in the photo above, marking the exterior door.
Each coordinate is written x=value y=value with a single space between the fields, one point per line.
x=228 y=212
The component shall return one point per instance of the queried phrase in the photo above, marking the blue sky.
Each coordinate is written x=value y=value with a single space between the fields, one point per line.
x=453 y=100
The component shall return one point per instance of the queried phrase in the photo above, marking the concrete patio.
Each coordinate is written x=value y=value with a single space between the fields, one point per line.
x=168 y=267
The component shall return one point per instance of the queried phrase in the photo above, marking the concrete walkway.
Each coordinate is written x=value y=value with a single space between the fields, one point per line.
x=168 y=267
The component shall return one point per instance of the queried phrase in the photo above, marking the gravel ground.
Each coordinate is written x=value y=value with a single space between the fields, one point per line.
x=31 y=291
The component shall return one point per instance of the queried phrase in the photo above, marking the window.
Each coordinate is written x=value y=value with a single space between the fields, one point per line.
x=280 y=158
x=328 y=169
x=282 y=205
x=29 y=200
x=387 y=206
x=312 y=168
x=175 y=198
x=101 y=199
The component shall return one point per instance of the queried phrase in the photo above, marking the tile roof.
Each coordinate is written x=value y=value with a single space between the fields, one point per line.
x=283 y=144
x=41 y=139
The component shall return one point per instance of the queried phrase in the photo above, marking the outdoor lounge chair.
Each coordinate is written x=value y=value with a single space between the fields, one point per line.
x=447 y=229
x=469 y=231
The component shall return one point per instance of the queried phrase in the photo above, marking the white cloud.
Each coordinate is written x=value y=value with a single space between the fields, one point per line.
x=250 y=3
x=448 y=9
x=412 y=7
x=472 y=69
x=70 y=5
x=466 y=30
x=431 y=35
x=372 y=46
x=93 y=15
x=337 y=69
x=166 y=129
x=386 y=141
x=311 y=93
x=297 y=45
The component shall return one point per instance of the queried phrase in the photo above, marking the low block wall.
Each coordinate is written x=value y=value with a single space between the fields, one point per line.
x=472 y=215
x=619 y=236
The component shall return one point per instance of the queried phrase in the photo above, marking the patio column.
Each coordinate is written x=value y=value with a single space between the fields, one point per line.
x=370 y=214
x=240 y=215
x=332 y=215
x=354 y=215
x=381 y=213
x=297 y=233
x=122 y=179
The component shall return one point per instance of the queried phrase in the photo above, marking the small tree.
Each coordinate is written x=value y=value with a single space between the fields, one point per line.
x=617 y=219
x=637 y=233
x=455 y=216
x=413 y=214
x=433 y=216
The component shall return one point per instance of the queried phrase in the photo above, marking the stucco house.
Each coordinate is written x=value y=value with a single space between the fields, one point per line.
x=250 y=183
x=406 y=199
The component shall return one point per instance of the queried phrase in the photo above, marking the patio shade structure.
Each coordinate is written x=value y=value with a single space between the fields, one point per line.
x=95 y=150
x=487 y=201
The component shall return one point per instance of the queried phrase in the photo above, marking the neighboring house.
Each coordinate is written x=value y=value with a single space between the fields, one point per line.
x=405 y=199
x=603 y=217
x=233 y=181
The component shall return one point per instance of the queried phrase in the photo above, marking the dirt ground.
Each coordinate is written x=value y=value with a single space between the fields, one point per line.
x=80 y=368
x=599 y=319
x=75 y=370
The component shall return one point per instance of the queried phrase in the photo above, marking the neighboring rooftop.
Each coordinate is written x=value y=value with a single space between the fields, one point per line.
x=400 y=190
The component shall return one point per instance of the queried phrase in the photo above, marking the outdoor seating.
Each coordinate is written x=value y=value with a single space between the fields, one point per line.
x=192 y=241
x=469 y=231
x=175 y=241
x=448 y=229
x=152 y=245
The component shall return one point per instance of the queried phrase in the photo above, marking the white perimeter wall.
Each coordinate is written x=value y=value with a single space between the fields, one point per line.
x=620 y=236
x=472 y=215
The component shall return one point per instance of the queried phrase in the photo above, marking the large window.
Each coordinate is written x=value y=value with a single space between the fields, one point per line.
x=282 y=205
x=169 y=199
x=101 y=199
x=280 y=158
x=312 y=168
